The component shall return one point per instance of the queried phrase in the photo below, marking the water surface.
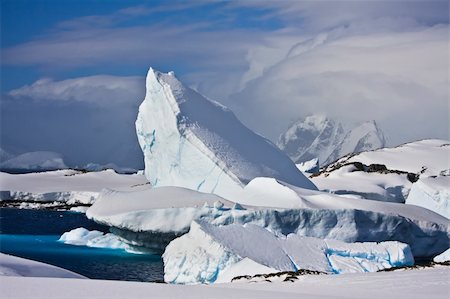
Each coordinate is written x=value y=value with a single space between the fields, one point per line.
x=34 y=234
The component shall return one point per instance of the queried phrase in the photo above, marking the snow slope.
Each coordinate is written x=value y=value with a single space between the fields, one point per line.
x=201 y=255
x=15 y=266
x=427 y=157
x=349 y=180
x=387 y=174
x=35 y=161
x=432 y=193
x=415 y=284
x=192 y=142
x=318 y=136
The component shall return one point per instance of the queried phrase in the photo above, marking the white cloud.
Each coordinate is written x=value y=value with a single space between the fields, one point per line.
x=355 y=60
x=398 y=78
x=100 y=90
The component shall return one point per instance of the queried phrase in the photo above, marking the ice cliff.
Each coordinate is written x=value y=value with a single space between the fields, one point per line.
x=192 y=142
x=208 y=251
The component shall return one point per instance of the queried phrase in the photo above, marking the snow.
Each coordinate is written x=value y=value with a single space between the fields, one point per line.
x=425 y=158
x=83 y=237
x=443 y=257
x=192 y=142
x=428 y=157
x=310 y=166
x=68 y=186
x=428 y=283
x=35 y=161
x=203 y=254
x=432 y=193
x=280 y=208
x=366 y=136
x=69 y=180
x=164 y=209
x=392 y=187
x=79 y=209
x=15 y=266
x=318 y=136
x=244 y=267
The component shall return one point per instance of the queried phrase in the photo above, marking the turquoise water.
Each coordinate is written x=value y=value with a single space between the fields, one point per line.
x=34 y=234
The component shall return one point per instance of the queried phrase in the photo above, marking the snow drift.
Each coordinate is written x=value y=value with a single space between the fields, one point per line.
x=192 y=142
x=207 y=251
x=15 y=266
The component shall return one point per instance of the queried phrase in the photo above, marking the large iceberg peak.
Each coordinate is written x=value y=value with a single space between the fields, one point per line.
x=193 y=142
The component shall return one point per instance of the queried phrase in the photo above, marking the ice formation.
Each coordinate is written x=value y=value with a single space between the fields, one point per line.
x=207 y=251
x=432 y=193
x=192 y=142
x=65 y=186
x=83 y=237
x=301 y=211
x=443 y=257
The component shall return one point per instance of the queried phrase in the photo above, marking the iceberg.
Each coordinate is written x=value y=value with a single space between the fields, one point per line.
x=443 y=257
x=207 y=251
x=192 y=142
x=167 y=212
x=432 y=193
x=83 y=237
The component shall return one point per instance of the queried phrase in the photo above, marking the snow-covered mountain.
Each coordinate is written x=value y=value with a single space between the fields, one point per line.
x=318 y=136
x=192 y=142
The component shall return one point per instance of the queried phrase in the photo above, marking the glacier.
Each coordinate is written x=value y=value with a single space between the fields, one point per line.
x=207 y=251
x=190 y=141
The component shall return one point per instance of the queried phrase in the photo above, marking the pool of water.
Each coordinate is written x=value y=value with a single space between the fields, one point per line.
x=34 y=234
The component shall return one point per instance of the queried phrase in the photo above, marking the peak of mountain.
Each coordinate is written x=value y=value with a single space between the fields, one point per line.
x=317 y=136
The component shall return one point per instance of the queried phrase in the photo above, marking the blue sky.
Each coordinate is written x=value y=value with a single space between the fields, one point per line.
x=73 y=71
x=26 y=21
